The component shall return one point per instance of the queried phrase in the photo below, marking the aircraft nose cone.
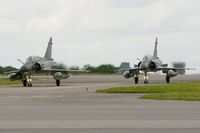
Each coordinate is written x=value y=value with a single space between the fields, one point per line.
x=143 y=65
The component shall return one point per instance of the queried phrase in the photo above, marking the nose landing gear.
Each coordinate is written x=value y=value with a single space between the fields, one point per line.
x=27 y=81
x=146 y=79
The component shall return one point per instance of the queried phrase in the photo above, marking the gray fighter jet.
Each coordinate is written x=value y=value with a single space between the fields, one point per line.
x=151 y=63
x=36 y=64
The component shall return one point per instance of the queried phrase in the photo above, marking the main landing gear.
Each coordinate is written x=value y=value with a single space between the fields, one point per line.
x=136 y=79
x=58 y=82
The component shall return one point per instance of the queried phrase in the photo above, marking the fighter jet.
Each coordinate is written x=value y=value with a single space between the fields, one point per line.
x=36 y=64
x=151 y=63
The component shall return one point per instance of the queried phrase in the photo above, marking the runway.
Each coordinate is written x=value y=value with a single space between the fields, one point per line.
x=75 y=107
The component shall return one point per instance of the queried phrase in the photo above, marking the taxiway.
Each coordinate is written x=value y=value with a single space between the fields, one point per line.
x=75 y=107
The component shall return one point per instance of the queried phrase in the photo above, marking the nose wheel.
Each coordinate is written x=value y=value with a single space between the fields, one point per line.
x=30 y=82
x=146 y=82
x=27 y=81
x=146 y=79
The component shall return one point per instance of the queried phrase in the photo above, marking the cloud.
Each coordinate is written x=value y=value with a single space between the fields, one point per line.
x=100 y=31
x=130 y=3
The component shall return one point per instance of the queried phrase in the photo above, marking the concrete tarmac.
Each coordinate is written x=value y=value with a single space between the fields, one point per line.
x=75 y=107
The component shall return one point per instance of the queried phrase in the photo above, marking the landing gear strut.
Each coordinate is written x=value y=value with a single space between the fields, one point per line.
x=27 y=81
x=146 y=79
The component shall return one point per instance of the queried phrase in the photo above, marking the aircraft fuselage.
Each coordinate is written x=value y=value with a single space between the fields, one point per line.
x=36 y=64
x=149 y=63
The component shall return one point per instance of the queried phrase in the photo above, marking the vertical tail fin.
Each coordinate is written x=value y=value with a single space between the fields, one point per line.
x=48 y=53
x=155 y=53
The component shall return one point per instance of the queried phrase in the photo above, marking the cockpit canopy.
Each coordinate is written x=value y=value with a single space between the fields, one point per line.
x=33 y=59
x=147 y=58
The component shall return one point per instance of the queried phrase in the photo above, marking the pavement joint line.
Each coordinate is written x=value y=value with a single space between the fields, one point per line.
x=101 y=124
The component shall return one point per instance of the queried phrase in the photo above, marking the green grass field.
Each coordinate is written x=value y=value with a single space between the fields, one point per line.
x=179 y=91
x=4 y=81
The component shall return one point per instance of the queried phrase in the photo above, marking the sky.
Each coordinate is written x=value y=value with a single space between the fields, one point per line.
x=100 y=31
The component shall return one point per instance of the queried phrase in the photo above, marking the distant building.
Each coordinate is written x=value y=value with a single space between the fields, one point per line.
x=125 y=65
x=179 y=65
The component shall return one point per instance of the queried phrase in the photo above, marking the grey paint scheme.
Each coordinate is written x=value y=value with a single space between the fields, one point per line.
x=151 y=63
x=36 y=64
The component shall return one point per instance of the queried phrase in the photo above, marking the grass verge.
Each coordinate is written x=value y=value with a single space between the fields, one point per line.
x=4 y=81
x=183 y=91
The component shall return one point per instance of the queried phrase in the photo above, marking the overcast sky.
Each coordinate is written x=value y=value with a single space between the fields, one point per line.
x=100 y=31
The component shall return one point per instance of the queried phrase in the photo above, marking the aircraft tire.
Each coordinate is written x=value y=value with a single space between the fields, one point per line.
x=136 y=80
x=146 y=82
x=168 y=79
x=30 y=85
x=24 y=83
x=58 y=82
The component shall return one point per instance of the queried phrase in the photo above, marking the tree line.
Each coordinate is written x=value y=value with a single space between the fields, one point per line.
x=103 y=68
x=7 y=69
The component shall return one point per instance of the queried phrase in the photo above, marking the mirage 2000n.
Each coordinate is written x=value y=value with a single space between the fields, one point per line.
x=36 y=64
x=151 y=63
